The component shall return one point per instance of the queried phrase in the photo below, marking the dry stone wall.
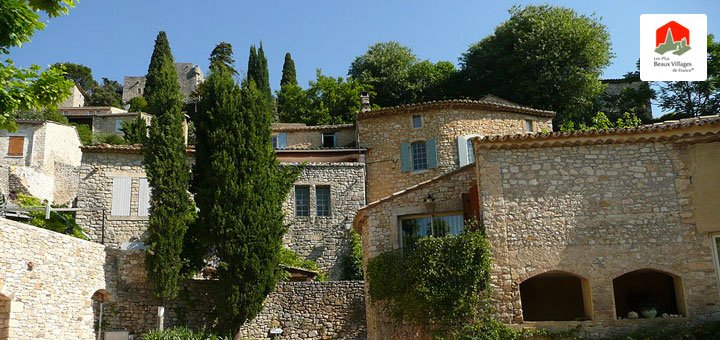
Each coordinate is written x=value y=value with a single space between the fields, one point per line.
x=46 y=283
x=596 y=212
x=324 y=239
x=383 y=135
x=312 y=139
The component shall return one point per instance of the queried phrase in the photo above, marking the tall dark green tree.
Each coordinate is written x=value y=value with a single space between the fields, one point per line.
x=80 y=74
x=222 y=55
x=545 y=57
x=259 y=75
x=134 y=131
x=239 y=189
x=167 y=172
x=288 y=73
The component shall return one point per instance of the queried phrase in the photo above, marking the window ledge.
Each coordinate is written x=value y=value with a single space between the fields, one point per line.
x=418 y=172
x=20 y=156
x=127 y=218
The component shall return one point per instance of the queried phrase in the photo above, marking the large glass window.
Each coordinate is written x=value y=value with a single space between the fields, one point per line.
x=322 y=195
x=416 y=227
x=419 y=156
x=302 y=200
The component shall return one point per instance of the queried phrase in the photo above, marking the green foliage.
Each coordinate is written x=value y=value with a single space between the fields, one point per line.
x=288 y=72
x=239 y=188
x=47 y=114
x=107 y=138
x=545 y=57
x=290 y=258
x=138 y=104
x=167 y=171
x=61 y=222
x=182 y=333
x=135 y=131
x=21 y=18
x=80 y=74
x=398 y=77
x=602 y=122
x=221 y=56
x=441 y=282
x=328 y=100
x=352 y=260
x=677 y=331
x=85 y=133
x=107 y=94
x=685 y=99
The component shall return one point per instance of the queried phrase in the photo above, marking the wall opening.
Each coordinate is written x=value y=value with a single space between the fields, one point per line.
x=555 y=296
x=4 y=317
x=647 y=289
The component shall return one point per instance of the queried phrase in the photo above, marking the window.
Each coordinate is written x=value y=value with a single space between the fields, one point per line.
x=118 y=125
x=322 y=196
x=275 y=142
x=328 y=140
x=280 y=140
x=419 y=156
x=528 y=125
x=466 y=153
x=416 y=227
x=471 y=152
x=144 y=193
x=302 y=200
x=16 y=146
x=121 y=196
x=417 y=121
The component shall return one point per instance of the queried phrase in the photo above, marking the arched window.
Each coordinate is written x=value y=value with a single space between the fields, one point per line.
x=555 y=296
x=4 y=316
x=647 y=289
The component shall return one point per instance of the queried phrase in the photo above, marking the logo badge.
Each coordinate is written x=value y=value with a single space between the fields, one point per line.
x=673 y=47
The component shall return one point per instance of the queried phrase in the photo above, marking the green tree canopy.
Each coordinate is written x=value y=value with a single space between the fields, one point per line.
x=80 y=74
x=24 y=89
x=686 y=99
x=107 y=94
x=222 y=56
x=135 y=131
x=545 y=57
x=138 y=104
x=167 y=171
x=288 y=71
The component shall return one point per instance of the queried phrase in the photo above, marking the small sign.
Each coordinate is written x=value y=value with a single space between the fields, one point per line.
x=673 y=47
x=161 y=311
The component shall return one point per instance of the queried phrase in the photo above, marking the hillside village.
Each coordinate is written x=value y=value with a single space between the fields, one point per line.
x=450 y=218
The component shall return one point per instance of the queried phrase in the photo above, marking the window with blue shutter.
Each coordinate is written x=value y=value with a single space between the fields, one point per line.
x=405 y=157
x=431 y=149
x=121 y=196
x=282 y=140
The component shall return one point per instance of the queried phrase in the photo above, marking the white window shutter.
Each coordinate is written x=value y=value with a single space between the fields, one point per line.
x=144 y=197
x=462 y=150
x=121 y=196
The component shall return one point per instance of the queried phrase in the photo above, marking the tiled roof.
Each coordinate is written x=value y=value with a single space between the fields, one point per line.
x=641 y=133
x=491 y=103
x=127 y=149
x=338 y=149
x=302 y=127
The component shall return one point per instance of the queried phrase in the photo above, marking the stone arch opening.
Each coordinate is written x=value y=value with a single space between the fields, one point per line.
x=99 y=300
x=556 y=296
x=648 y=289
x=4 y=317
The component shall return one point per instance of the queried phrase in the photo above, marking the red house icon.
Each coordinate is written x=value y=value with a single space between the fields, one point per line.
x=678 y=33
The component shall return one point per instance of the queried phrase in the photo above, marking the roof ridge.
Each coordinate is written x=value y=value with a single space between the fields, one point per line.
x=482 y=102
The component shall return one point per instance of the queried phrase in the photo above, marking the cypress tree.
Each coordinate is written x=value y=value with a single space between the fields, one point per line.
x=288 y=72
x=263 y=76
x=167 y=171
x=252 y=68
x=239 y=188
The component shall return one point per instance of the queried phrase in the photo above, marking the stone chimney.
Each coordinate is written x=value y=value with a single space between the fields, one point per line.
x=364 y=102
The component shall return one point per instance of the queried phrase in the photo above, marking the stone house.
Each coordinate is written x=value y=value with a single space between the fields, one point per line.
x=102 y=119
x=40 y=158
x=584 y=227
x=189 y=77
x=76 y=98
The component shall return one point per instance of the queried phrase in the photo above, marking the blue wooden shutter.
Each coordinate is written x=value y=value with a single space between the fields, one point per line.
x=121 y=196
x=462 y=150
x=282 y=140
x=405 y=157
x=431 y=153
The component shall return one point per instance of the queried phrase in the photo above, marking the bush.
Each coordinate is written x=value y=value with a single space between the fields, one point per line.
x=61 y=222
x=182 y=333
x=108 y=138
x=85 y=133
x=352 y=260
x=290 y=258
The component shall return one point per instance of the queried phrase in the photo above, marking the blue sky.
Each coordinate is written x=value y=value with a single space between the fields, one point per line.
x=115 y=38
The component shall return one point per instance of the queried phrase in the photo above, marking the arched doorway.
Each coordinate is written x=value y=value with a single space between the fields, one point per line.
x=4 y=317
x=646 y=289
x=556 y=296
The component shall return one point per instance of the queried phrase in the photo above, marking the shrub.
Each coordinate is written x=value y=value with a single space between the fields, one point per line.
x=182 y=333
x=352 y=260
x=61 y=222
x=108 y=138
x=290 y=258
x=85 y=133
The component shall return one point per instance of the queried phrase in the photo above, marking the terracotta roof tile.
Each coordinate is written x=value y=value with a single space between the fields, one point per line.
x=486 y=103
x=299 y=127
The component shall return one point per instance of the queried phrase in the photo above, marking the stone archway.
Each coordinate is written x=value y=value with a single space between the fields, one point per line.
x=555 y=296
x=4 y=317
x=648 y=288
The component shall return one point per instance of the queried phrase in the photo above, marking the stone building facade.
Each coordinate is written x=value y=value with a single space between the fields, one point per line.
x=584 y=227
x=102 y=119
x=301 y=136
x=40 y=159
x=442 y=130
x=189 y=77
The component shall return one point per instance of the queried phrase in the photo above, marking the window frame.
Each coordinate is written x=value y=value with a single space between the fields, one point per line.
x=329 y=200
x=295 y=200
x=432 y=217
x=328 y=134
x=424 y=165
x=420 y=119
x=714 y=239
x=529 y=126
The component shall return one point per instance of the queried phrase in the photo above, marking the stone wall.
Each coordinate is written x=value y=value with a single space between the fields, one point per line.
x=324 y=239
x=312 y=138
x=380 y=233
x=95 y=192
x=383 y=135
x=595 y=212
x=311 y=310
x=107 y=123
x=47 y=279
